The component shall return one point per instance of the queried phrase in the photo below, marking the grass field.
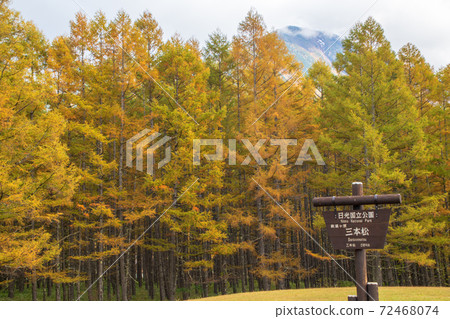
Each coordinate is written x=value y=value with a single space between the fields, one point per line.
x=337 y=294
x=312 y=294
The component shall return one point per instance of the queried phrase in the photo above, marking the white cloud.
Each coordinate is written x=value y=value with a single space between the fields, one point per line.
x=308 y=33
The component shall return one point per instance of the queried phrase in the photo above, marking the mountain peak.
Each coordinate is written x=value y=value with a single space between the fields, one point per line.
x=304 y=32
x=309 y=46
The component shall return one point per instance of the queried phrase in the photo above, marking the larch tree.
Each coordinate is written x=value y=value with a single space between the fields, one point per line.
x=36 y=178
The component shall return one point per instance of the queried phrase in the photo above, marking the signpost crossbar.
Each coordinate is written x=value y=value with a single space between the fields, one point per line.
x=357 y=200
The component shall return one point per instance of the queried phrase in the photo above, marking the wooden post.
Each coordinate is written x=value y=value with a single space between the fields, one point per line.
x=360 y=254
x=372 y=290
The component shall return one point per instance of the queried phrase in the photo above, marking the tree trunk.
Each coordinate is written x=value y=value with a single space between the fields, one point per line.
x=11 y=287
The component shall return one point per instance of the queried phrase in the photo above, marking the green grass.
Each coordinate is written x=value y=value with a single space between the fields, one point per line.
x=338 y=294
x=195 y=292
x=141 y=294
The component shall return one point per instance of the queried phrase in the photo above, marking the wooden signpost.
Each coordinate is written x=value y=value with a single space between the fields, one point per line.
x=358 y=229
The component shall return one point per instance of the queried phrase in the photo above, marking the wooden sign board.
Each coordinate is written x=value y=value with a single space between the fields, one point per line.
x=357 y=229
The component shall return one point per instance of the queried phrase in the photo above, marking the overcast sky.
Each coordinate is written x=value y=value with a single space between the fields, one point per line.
x=423 y=23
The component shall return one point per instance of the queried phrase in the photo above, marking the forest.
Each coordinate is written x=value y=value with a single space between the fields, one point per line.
x=70 y=207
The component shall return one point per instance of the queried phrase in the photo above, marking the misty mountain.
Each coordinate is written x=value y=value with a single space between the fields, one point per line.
x=309 y=46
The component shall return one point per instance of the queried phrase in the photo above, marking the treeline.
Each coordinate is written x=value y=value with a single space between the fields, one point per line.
x=69 y=206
